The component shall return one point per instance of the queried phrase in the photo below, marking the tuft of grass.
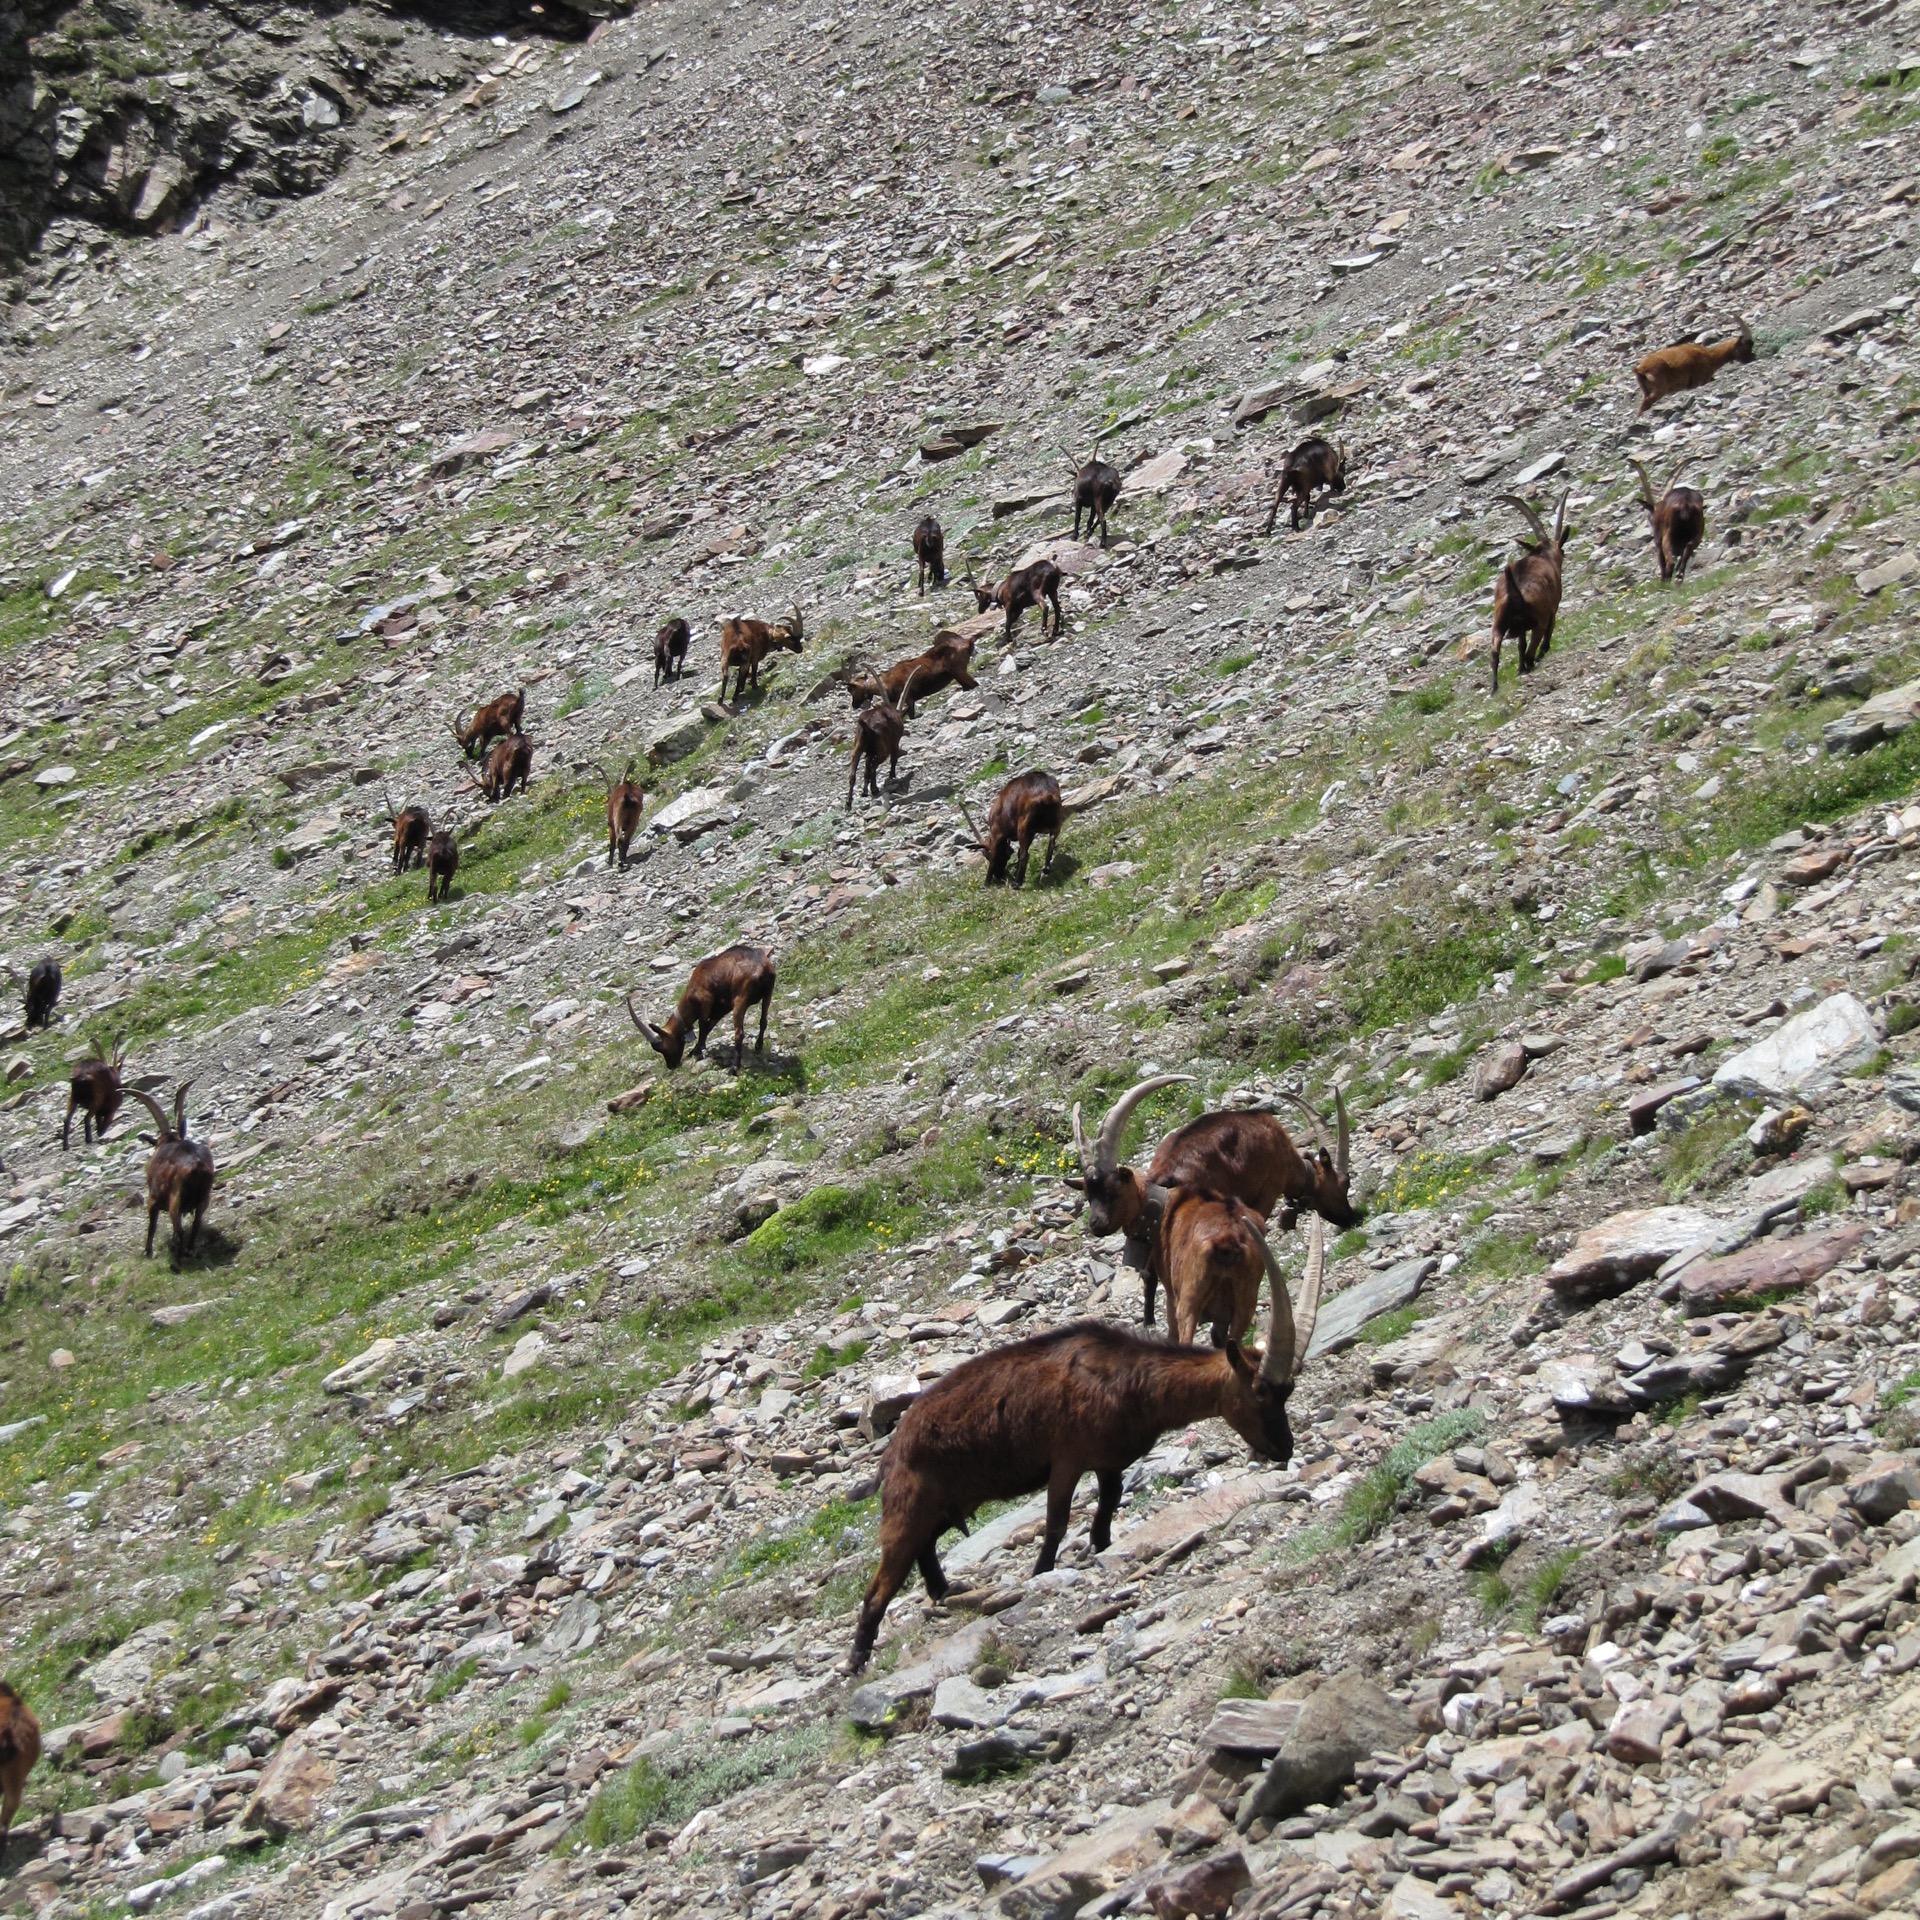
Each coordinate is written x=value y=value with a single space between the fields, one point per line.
x=1539 y=1589
x=1707 y=1152
x=838 y=1527
x=828 y=1359
x=1242 y=1684
x=670 y=1789
x=1385 y=1328
x=450 y=1682
x=1899 y=1423
x=1653 y=1474
x=1423 y=1180
x=1370 y=1501
x=1830 y=1196
x=1489 y=1587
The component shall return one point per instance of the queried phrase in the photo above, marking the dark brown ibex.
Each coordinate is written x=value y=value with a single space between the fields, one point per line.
x=1526 y=597
x=745 y=643
x=410 y=829
x=877 y=733
x=1088 y=1398
x=625 y=798
x=930 y=550
x=1679 y=516
x=94 y=1092
x=1313 y=463
x=947 y=663
x=19 y=1749
x=670 y=646
x=1037 y=585
x=509 y=764
x=1671 y=370
x=1028 y=806
x=1096 y=486
x=443 y=862
x=43 y=992
x=732 y=981
x=179 y=1172
x=489 y=722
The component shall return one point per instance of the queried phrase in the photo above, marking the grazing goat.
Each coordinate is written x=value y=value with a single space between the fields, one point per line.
x=1679 y=516
x=1313 y=463
x=1678 y=369
x=670 y=646
x=947 y=663
x=930 y=550
x=1087 y=1398
x=745 y=643
x=1526 y=597
x=410 y=830
x=179 y=1172
x=509 y=763
x=489 y=722
x=1025 y=808
x=19 y=1749
x=94 y=1092
x=43 y=991
x=624 y=799
x=1249 y=1156
x=1096 y=486
x=736 y=980
x=443 y=862
x=1211 y=1251
x=877 y=733
x=1034 y=586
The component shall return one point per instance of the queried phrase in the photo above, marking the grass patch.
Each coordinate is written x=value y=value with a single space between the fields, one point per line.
x=1385 y=1328
x=1242 y=1684
x=833 y=1224
x=1651 y=1474
x=840 y=1526
x=446 y=1685
x=827 y=1360
x=1424 y=1180
x=1539 y=1589
x=668 y=1790
x=1707 y=1153
x=1370 y=1501
x=1830 y=1196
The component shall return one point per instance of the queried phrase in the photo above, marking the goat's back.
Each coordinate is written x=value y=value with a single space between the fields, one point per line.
x=1245 y=1155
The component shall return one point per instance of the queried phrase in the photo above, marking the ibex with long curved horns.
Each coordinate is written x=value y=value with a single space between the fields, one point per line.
x=1088 y=1398
x=179 y=1172
x=733 y=980
x=1028 y=806
x=1679 y=516
x=94 y=1092
x=1526 y=597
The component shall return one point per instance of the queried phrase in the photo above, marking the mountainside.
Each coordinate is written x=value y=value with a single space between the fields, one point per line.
x=475 y=1518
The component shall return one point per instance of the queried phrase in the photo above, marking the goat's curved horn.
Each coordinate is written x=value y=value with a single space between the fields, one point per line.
x=1278 y=1363
x=154 y=1107
x=973 y=827
x=1531 y=514
x=1560 y=514
x=635 y=1018
x=1746 y=332
x=1342 y=1157
x=180 y=1108
x=1313 y=1113
x=1646 y=485
x=1106 y=1146
x=1080 y=1141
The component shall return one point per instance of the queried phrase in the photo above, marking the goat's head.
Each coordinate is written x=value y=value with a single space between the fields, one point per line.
x=790 y=632
x=862 y=688
x=668 y=1041
x=1258 y=1412
x=1117 y=1198
x=1336 y=470
x=1329 y=1169
x=167 y=1130
x=1744 y=351
x=1543 y=541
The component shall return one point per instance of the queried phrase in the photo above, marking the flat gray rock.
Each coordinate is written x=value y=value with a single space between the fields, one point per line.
x=1806 y=1054
x=1342 y=1317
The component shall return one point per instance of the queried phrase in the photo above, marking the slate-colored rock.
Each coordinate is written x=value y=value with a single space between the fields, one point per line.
x=1345 y=1719
x=1622 y=1250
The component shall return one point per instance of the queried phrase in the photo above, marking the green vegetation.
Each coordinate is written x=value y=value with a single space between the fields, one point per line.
x=1370 y=1501
x=1384 y=1328
x=667 y=1791
x=840 y=1526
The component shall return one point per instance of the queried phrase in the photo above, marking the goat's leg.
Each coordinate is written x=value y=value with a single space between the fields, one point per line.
x=1102 y=1534
x=929 y=1565
x=1053 y=841
x=1496 y=660
x=173 y=1221
x=739 y=1030
x=1020 y=865
x=897 y=1554
x=153 y=1220
x=1059 y=1508
x=66 y=1129
x=766 y=1007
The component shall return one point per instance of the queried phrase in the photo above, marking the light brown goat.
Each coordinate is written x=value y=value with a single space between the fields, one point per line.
x=947 y=663
x=625 y=798
x=509 y=764
x=1045 y=1412
x=410 y=829
x=1526 y=597
x=745 y=643
x=1677 y=369
x=1037 y=585
x=443 y=862
x=1679 y=516
x=731 y=981
x=877 y=733
x=1212 y=1251
x=19 y=1749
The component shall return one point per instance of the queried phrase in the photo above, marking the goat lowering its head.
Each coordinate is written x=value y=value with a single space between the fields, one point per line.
x=1313 y=463
x=1037 y=585
x=1088 y=1398
x=1678 y=369
x=179 y=1172
x=443 y=862
x=1679 y=516
x=410 y=830
x=43 y=992
x=19 y=1749
x=731 y=981
x=1096 y=486
x=878 y=730
x=1028 y=806
x=625 y=798
x=489 y=722
x=947 y=663
x=930 y=551
x=1526 y=597
x=670 y=646
x=94 y=1092
x=745 y=643
x=509 y=764
x=1212 y=1251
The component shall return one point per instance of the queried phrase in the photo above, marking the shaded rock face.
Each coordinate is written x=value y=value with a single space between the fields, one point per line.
x=126 y=117
x=1342 y=1723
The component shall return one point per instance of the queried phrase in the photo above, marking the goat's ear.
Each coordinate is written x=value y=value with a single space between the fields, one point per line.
x=1239 y=1362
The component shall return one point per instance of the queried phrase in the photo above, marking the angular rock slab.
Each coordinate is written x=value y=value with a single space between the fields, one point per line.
x=1806 y=1054
x=870 y=1705
x=1622 y=1250
x=1100 y=1861
x=1771 y=1266
x=1344 y=1721
x=1342 y=1317
x=287 y=1800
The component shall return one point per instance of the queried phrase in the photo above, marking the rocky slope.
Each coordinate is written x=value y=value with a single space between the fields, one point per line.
x=475 y=1519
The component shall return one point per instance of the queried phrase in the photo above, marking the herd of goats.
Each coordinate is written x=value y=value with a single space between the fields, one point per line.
x=1091 y=1397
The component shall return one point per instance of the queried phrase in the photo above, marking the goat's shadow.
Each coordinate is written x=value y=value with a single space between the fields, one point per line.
x=1065 y=866
x=211 y=1248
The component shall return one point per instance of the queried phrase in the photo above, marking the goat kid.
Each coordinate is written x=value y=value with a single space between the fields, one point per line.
x=745 y=643
x=489 y=722
x=947 y=663
x=930 y=551
x=509 y=764
x=1044 y=1412
x=625 y=797
x=43 y=992
x=19 y=1749
x=1526 y=597
x=1096 y=486
x=670 y=646
x=1671 y=370
x=443 y=862
x=1035 y=586
x=94 y=1092
x=1312 y=464
x=410 y=830
x=179 y=1172
x=1679 y=516
x=1028 y=806
x=731 y=981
